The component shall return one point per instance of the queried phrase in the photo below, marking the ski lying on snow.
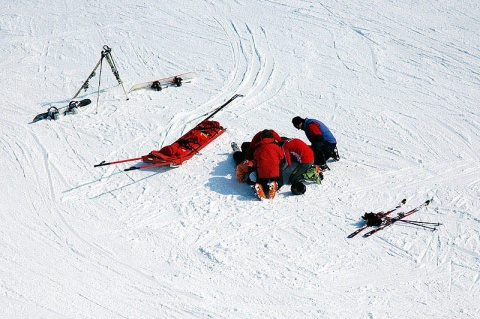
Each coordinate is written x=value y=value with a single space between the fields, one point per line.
x=399 y=217
x=380 y=215
x=158 y=85
x=54 y=112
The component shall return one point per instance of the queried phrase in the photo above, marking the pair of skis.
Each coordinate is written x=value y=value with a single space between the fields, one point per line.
x=388 y=221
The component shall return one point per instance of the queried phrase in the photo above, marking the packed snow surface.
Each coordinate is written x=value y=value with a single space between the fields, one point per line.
x=397 y=82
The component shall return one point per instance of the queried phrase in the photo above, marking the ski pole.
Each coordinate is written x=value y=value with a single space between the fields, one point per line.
x=421 y=224
x=223 y=105
x=103 y=163
x=92 y=74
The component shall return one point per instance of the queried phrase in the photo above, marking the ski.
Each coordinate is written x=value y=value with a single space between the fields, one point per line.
x=399 y=217
x=54 y=112
x=132 y=168
x=380 y=215
x=218 y=109
x=158 y=85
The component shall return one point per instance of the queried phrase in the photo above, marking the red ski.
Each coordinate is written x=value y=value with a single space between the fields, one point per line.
x=399 y=217
x=380 y=215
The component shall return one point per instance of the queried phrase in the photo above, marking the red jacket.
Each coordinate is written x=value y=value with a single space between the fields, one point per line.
x=267 y=158
x=314 y=129
x=256 y=139
x=301 y=152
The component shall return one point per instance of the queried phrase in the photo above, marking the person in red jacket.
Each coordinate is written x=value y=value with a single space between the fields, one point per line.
x=267 y=159
x=248 y=148
x=297 y=150
x=244 y=158
x=255 y=140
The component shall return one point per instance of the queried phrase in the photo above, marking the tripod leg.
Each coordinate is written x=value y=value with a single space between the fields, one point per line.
x=92 y=74
x=99 y=82
x=114 y=70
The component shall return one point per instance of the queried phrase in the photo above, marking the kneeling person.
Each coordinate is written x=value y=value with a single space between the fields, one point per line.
x=267 y=159
x=302 y=153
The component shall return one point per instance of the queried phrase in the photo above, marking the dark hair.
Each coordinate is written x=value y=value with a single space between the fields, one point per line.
x=298 y=188
x=297 y=120
x=267 y=134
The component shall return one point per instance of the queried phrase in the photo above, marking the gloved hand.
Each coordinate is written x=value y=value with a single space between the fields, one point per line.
x=243 y=169
x=317 y=139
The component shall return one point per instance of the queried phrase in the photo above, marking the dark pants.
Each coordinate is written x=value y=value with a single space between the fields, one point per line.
x=298 y=172
x=239 y=157
x=323 y=151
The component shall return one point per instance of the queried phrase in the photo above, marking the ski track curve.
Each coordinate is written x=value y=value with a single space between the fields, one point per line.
x=250 y=76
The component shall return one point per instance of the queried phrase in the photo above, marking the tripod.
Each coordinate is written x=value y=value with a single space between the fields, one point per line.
x=106 y=53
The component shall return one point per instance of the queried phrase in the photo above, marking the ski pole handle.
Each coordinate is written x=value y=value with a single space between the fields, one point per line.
x=103 y=163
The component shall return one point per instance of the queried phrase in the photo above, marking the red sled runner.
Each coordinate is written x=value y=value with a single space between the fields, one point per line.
x=184 y=148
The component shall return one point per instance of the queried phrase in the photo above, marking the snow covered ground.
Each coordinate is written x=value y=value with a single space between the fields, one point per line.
x=398 y=83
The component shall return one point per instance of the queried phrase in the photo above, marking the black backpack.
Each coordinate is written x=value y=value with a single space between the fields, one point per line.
x=372 y=219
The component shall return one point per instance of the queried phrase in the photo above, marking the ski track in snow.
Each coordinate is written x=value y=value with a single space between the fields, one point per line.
x=397 y=83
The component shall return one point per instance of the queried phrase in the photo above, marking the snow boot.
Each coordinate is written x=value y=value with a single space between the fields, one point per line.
x=314 y=174
x=272 y=189
x=335 y=155
x=258 y=188
x=324 y=167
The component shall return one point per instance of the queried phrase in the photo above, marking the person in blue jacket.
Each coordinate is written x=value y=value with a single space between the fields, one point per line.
x=324 y=144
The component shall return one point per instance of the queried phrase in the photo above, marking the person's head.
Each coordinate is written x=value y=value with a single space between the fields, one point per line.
x=297 y=122
x=298 y=188
x=267 y=134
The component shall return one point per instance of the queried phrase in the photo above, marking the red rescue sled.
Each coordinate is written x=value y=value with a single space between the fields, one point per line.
x=184 y=148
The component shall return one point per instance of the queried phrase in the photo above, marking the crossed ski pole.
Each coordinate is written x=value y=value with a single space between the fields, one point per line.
x=426 y=225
